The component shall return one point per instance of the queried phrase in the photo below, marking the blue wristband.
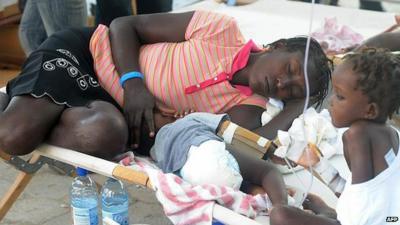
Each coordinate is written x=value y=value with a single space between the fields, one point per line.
x=129 y=76
x=231 y=2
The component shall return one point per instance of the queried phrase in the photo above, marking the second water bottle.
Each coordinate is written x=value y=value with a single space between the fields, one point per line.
x=115 y=202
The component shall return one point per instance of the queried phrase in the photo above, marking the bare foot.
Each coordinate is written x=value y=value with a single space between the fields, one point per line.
x=317 y=205
x=4 y=99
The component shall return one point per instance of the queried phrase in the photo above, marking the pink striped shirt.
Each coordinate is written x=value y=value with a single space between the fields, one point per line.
x=190 y=75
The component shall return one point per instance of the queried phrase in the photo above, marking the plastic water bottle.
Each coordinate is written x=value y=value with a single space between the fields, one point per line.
x=115 y=202
x=84 y=199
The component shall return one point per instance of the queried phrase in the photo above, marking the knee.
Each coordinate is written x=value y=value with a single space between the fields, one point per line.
x=99 y=130
x=279 y=215
x=16 y=140
x=112 y=135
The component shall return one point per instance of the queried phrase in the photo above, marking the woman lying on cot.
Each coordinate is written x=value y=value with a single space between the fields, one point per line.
x=193 y=61
x=365 y=94
x=171 y=63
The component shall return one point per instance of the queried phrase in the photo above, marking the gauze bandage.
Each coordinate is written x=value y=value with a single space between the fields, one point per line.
x=273 y=108
x=329 y=175
x=229 y=133
x=320 y=132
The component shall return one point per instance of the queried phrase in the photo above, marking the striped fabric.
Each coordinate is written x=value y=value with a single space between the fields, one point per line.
x=187 y=204
x=188 y=76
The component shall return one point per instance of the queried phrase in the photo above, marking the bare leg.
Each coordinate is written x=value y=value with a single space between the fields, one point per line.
x=26 y=122
x=287 y=215
x=99 y=130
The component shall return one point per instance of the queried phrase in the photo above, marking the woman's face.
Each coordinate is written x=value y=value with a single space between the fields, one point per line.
x=279 y=74
x=347 y=103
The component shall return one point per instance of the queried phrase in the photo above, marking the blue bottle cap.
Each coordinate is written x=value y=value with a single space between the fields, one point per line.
x=81 y=171
x=216 y=222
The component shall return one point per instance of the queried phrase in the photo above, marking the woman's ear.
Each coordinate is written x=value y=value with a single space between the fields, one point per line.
x=278 y=44
x=372 y=111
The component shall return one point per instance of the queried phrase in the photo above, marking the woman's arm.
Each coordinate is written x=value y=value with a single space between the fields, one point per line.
x=390 y=40
x=249 y=117
x=127 y=35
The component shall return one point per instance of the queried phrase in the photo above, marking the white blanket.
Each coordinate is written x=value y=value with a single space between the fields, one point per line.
x=265 y=21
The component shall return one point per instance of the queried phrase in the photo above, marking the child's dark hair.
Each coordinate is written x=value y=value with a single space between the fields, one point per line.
x=379 y=77
x=323 y=65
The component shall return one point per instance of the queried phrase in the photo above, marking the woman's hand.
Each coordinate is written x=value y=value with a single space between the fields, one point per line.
x=138 y=103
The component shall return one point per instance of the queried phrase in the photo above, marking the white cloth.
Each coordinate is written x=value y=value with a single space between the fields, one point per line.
x=319 y=131
x=375 y=202
x=211 y=163
x=273 y=108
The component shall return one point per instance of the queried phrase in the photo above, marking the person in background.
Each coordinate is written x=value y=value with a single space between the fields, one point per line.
x=371 y=5
x=42 y=18
x=364 y=4
x=153 y=6
x=107 y=11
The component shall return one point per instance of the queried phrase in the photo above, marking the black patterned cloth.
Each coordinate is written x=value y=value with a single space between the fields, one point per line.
x=62 y=69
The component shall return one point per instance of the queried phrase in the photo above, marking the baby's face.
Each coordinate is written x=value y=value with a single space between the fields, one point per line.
x=347 y=103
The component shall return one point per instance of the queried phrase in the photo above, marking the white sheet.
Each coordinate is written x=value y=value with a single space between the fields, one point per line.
x=267 y=20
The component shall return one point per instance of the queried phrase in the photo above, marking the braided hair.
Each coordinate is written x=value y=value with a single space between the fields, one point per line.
x=323 y=65
x=378 y=72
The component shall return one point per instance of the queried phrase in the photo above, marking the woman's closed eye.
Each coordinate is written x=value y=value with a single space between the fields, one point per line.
x=339 y=97
x=289 y=71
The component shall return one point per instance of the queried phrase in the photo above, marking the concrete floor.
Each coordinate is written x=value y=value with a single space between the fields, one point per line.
x=46 y=200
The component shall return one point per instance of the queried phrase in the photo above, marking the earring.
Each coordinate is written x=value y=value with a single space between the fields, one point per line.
x=266 y=48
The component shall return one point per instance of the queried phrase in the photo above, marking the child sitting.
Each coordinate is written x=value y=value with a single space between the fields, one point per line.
x=366 y=92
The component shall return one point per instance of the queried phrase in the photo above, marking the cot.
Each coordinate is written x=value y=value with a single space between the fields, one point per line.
x=52 y=155
x=262 y=21
x=241 y=139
